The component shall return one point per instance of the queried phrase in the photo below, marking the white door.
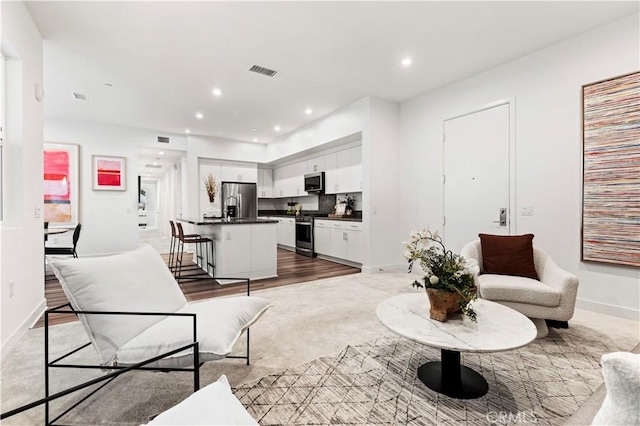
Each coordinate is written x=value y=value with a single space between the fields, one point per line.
x=476 y=176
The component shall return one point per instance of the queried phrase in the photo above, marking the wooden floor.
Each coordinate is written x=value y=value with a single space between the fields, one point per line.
x=292 y=269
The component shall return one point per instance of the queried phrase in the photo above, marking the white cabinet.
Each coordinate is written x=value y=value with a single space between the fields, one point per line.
x=248 y=251
x=264 y=254
x=354 y=242
x=231 y=253
x=315 y=165
x=355 y=168
x=343 y=171
x=288 y=181
x=339 y=239
x=322 y=237
x=287 y=232
x=338 y=243
x=265 y=183
x=239 y=173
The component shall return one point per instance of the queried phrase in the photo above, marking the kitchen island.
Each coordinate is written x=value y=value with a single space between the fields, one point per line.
x=243 y=248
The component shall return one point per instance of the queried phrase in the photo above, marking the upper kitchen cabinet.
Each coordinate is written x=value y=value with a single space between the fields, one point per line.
x=316 y=165
x=265 y=183
x=239 y=173
x=288 y=181
x=343 y=171
x=355 y=155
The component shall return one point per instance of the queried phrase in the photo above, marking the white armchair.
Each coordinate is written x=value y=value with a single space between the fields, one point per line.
x=552 y=297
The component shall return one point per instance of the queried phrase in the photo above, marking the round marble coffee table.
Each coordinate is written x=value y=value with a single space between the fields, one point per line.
x=499 y=328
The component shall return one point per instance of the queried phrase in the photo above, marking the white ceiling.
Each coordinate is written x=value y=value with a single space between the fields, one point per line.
x=164 y=58
x=153 y=163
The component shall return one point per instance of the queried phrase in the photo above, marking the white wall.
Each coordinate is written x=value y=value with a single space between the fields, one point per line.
x=21 y=238
x=547 y=90
x=381 y=180
x=344 y=122
x=109 y=218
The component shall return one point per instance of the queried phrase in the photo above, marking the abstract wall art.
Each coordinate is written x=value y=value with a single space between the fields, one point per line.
x=611 y=171
x=61 y=184
x=109 y=173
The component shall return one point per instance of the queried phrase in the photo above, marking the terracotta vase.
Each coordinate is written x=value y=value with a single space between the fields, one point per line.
x=442 y=303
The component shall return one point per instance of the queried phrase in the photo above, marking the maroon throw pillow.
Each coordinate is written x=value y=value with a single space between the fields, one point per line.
x=508 y=255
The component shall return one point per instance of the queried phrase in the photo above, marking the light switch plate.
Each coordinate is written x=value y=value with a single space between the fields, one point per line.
x=526 y=211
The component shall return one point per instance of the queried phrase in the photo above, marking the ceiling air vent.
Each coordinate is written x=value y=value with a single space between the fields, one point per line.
x=263 y=70
x=80 y=96
x=153 y=166
x=163 y=139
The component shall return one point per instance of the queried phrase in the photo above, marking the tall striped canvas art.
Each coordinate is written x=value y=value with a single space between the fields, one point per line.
x=611 y=171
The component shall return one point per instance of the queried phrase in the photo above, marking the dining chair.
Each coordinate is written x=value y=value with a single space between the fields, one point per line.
x=66 y=251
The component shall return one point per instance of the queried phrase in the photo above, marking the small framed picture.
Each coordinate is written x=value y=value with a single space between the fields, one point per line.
x=341 y=208
x=109 y=173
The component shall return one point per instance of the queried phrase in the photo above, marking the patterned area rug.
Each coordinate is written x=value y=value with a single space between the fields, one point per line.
x=376 y=383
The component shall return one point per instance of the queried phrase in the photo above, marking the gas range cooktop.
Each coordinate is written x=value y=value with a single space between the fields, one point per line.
x=310 y=216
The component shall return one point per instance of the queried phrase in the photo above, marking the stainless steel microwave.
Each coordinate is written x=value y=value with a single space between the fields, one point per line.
x=314 y=182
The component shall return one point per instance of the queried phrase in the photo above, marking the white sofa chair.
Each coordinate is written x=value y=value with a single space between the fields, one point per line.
x=552 y=297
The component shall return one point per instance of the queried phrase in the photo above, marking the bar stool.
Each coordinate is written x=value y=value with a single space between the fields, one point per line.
x=206 y=256
x=174 y=245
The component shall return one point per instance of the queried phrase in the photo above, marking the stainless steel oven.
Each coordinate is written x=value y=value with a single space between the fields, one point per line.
x=304 y=236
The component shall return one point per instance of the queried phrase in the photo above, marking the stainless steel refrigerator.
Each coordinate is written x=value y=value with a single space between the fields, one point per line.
x=242 y=195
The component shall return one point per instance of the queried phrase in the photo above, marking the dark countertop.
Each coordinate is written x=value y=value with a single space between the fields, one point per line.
x=240 y=221
x=346 y=219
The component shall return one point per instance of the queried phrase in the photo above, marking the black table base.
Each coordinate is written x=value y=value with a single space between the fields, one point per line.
x=450 y=378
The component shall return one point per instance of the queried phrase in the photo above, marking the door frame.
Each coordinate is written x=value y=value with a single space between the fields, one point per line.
x=511 y=103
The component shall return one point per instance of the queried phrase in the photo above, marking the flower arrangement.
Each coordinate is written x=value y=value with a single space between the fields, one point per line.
x=350 y=202
x=211 y=186
x=444 y=270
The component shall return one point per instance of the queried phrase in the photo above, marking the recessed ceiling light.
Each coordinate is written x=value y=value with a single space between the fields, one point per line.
x=161 y=153
x=255 y=139
x=155 y=164
x=216 y=92
x=187 y=131
x=199 y=116
x=406 y=62
x=253 y=129
x=277 y=128
x=308 y=111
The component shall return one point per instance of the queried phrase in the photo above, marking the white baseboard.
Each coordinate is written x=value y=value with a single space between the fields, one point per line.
x=383 y=268
x=604 y=308
x=21 y=331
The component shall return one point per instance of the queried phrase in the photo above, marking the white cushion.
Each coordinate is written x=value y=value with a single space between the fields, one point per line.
x=508 y=288
x=137 y=281
x=211 y=405
x=621 y=406
x=220 y=322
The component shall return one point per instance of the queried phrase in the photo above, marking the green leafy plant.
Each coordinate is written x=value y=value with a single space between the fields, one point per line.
x=350 y=201
x=444 y=270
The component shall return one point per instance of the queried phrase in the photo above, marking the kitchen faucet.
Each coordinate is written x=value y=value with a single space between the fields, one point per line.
x=226 y=205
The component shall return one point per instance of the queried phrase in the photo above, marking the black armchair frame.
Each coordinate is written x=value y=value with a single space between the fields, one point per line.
x=119 y=370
